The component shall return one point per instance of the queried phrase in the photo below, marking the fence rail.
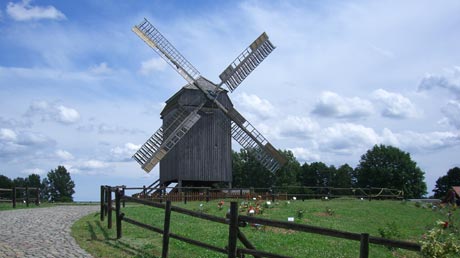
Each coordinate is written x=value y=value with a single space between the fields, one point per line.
x=11 y=195
x=234 y=222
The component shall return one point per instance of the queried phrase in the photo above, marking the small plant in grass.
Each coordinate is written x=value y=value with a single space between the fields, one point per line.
x=418 y=204
x=300 y=214
x=330 y=211
x=390 y=231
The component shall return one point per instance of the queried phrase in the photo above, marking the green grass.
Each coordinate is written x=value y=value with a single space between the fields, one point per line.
x=348 y=215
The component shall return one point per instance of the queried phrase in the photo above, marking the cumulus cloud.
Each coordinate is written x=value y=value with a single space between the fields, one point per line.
x=24 y=11
x=422 y=142
x=7 y=134
x=449 y=79
x=22 y=142
x=252 y=103
x=305 y=155
x=152 y=65
x=395 y=105
x=125 y=152
x=452 y=112
x=331 y=104
x=347 y=138
x=101 y=69
x=30 y=171
x=58 y=113
x=64 y=155
x=298 y=127
x=93 y=164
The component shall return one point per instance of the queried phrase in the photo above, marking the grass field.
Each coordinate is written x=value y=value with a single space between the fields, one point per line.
x=401 y=219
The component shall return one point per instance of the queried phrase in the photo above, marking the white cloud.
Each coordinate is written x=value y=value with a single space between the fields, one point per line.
x=24 y=11
x=298 y=127
x=37 y=171
x=64 y=155
x=305 y=155
x=93 y=164
x=125 y=152
x=347 y=138
x=449 y=79
x=423 y=142
x=101 y=69
x=331 y=104
x=152 y=65
x=252 y=103
x=67 y=115
x=452 y=113
x=395 y=105
x=58 y=113
x=7 y=134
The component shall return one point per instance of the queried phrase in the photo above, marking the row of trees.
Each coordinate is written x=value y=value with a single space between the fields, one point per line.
x=382 y=166
x=58 y=186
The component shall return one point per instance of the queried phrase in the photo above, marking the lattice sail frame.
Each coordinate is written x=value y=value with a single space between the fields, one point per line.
x=242 y=131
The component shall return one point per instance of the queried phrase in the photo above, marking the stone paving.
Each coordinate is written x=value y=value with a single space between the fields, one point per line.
x=41 y=232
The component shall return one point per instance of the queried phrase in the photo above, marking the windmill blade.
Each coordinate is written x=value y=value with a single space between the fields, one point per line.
x=252 y=140
x=156 y=147
x=148 y=33
x=246 y=62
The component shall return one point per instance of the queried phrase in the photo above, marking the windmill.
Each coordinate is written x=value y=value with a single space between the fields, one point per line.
x=194 y=142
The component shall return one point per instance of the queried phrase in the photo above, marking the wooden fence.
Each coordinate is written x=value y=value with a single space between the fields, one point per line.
x=234 y=222
x=11 y=195
x=185 y=194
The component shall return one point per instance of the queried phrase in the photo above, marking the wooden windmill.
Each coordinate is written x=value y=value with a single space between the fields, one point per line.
x=194 y=142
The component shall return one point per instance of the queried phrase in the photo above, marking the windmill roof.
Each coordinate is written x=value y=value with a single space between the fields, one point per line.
x=456 y=189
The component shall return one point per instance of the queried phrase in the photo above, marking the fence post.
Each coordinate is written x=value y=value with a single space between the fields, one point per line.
x=364 y=246
x=27 y=196
x=109 y=207
x=233 y=230
x=14 y=197
x=207 y=194
x=144 y=192
x=164 y=251
x=185 y=197
x=123 y=194
x=117 y=212
x=106 y=195
x=102 y=203
x=37 y=201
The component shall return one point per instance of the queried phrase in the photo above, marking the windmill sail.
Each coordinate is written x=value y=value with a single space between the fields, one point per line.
x=156 y=147
x=246 y=62
x=148 y=33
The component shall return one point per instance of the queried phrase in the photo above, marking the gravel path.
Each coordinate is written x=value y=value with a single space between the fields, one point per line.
x=41 y=232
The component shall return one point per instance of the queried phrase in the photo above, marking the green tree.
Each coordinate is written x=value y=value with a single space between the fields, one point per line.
x=59 y=185
x=248 y=172
x=389 y=167
x=5 y=183
x=444 y=183
x=287 y=175
x=344 y=177
x=33 y=180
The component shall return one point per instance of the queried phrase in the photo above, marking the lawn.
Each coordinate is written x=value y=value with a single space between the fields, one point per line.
x=403 y=220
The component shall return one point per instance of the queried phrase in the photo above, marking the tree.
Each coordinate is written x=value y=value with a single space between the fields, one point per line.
x=444 y=183
x=33 y=180
x=59 y=185
x=389 y=167
x=6 y=183
x=344 y=177
x=287 y=175
x=248 y=172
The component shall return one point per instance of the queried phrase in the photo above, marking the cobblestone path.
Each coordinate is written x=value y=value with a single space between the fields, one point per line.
x=41 y=232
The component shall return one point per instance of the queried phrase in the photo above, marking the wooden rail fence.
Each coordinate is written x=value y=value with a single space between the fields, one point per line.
x=234 y=222
x=11 y=195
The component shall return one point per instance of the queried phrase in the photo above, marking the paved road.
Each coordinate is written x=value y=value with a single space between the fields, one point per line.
x=41 y=232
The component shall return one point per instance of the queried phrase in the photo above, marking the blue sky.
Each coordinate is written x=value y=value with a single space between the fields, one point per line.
x=78 y=88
